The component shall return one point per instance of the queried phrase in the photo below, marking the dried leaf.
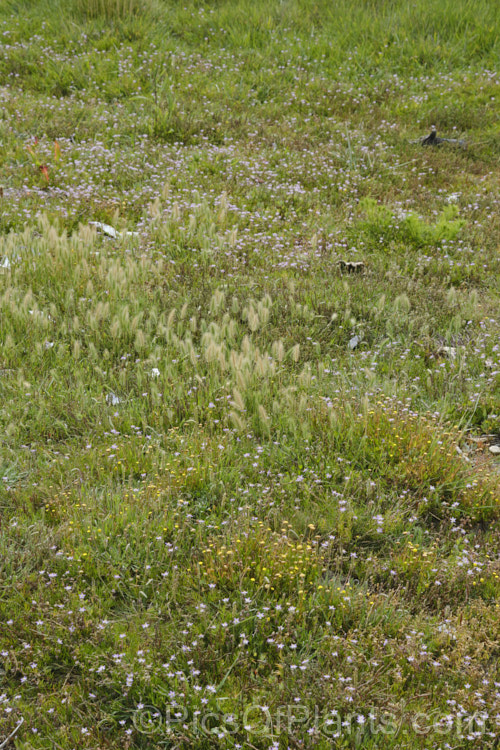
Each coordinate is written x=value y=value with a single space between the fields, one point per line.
x=44 y=170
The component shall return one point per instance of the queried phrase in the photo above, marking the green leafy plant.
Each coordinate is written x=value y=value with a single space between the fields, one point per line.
x=407 y=228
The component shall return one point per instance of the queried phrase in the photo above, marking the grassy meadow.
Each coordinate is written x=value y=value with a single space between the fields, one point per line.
x=249 y=494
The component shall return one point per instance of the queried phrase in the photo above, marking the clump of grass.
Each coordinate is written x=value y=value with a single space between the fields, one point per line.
x=112 y=10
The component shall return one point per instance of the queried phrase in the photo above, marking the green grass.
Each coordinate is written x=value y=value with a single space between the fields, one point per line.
x=246 y=497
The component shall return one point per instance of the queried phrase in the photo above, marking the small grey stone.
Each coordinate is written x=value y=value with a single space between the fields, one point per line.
x=354 y=342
